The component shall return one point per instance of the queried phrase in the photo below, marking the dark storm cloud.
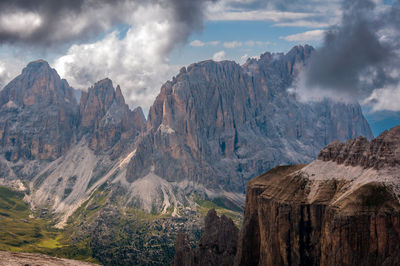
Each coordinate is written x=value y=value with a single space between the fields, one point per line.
x=53 y=16
x=360 y=54
x=59 y=18
x=189 y=16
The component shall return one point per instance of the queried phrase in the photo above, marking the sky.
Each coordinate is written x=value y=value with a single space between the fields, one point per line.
x=140 y=44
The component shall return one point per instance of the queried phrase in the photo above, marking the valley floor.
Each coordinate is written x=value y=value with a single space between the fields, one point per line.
x=100 y=232
x=17 y=259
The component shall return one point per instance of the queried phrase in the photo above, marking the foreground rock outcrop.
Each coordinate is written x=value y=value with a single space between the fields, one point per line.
x=342 y=209
x=217 y=245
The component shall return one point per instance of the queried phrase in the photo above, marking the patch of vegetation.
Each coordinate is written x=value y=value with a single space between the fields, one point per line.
x=206 y=204
x=102 y=230
x=86 y=211
x=21 y=232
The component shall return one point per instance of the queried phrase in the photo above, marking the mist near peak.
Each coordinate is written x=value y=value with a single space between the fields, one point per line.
x=359 y=58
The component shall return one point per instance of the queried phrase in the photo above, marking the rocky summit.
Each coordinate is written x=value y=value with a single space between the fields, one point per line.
x=341 y=209
x=218 y=124
x=37 y=115
x=100 y=172
x=106 y=119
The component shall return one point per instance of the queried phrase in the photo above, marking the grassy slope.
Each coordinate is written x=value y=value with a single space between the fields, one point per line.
x=135 y=229
x=21 y=232
x=17 y=230
x=204 y=205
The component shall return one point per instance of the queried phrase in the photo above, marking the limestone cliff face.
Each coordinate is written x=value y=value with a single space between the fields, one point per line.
x=339 y=210
x=217 y=245
x=219 y=124
x=37 y=114
x=105 y=118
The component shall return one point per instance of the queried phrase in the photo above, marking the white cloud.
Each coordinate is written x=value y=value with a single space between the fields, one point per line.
x=3 y=75
x=138 y=62
x=10 y=67
x=305 y=93
x=263 y=43
x=243 y=59
x=197 y=43
x=309 y=13
x=249 y=43
x=384 y=99
x=219 y=56
x=312 y=35
x=258 y=15
x=305 y=24
x=232 y=44
x=20 y=23
x=214 y=43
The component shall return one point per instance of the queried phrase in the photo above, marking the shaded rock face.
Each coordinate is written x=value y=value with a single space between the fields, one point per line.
x=183 y=250
x=217 y=245
x=38 y=112
x=219 y=124
x=106 y=119
x=329 y=212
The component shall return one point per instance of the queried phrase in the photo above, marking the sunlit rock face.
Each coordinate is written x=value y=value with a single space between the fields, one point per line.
x=219 y=124
x=341 y=209
x=37 y=114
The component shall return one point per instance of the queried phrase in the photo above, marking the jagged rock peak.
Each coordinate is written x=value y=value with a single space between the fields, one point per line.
x=220 y=234
x=36 y=65
x=105 y=91
x=297 y=51
x=380 y=152
x=217 y=245
x=106 y=117
x=118 y=95
x=38 y=84
x=37 y=115
x=95 y=102
x=103 y=87
x=306 y=49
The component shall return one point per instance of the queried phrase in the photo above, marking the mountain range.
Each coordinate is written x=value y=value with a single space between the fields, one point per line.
x=89 y=165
